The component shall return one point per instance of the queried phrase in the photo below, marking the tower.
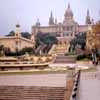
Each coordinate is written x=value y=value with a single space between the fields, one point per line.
x=32 y=37
x=17 y=32
x=38 y=23
x=51 y=19
x=56 y=21
x=92 y=21
x=88 y=19
x=17 y=40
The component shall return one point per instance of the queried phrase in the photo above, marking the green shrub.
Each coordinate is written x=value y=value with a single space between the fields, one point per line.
x=29 y=50
x=82 y=57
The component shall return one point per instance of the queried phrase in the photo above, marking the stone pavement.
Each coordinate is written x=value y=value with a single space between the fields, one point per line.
x=89 y=88
x=50 y=80
x=33 y=86
x=61 y=58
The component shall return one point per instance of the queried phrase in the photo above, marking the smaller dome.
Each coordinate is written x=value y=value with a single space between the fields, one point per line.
x=68 y=12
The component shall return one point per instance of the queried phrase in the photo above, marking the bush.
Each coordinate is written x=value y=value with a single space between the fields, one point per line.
x=28 y=49
x=81 y=57
x=45 y=39
x=21 y=52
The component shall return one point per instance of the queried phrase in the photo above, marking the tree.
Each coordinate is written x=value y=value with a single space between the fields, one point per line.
x=1 y=50
x=1 y=47
x=7 y=50
x=12 y=33
x=26 y=35
x=23 y=34
x=96 y=32
x=80 y=40
x=46 y=38
x=93 y=41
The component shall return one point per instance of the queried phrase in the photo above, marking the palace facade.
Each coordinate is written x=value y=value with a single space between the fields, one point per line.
x=65 y=30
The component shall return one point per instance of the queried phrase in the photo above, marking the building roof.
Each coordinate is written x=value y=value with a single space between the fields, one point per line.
x=68 y=12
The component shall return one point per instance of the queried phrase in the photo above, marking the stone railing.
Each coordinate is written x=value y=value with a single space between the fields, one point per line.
x=52 y=49
x=21 y=65
x=75 y=90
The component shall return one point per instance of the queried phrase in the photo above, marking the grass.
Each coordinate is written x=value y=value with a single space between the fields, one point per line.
x=70 y=54
x=84 y=59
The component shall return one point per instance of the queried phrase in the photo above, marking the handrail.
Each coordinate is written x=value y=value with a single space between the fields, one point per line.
x=75 y=90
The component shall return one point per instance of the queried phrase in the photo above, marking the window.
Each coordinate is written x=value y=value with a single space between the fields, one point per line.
x=71 y=28
x=68 y=28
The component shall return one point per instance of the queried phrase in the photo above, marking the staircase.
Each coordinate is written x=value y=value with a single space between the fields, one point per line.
x=31 y=93
x=51 y=51
x=10 y=93
x=56 y=93
x=64 y=59
x=60 y=49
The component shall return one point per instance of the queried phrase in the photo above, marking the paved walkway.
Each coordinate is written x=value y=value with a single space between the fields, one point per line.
x=51 y=80
x=89 y=88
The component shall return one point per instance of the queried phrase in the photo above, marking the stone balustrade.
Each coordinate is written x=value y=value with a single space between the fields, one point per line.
x=76 y=86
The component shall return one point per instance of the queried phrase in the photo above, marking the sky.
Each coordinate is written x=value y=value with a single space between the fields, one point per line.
x=26 y=12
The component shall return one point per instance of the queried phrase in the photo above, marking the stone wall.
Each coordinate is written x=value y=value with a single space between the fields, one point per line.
x=13 y=43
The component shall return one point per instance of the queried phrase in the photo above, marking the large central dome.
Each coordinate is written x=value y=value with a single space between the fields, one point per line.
x=68 y=12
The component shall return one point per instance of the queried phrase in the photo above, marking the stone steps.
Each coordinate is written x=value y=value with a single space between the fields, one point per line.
x=31 y=93
x=64 y=59
x=60 y=49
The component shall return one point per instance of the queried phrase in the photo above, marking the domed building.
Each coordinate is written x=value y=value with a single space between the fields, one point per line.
x=66 y=30
x=70 y=27
x=68 y=15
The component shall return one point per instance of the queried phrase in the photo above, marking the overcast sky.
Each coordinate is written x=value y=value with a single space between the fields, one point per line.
x=26 y=12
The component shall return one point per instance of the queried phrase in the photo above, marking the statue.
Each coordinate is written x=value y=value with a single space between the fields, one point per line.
x=94 y=57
